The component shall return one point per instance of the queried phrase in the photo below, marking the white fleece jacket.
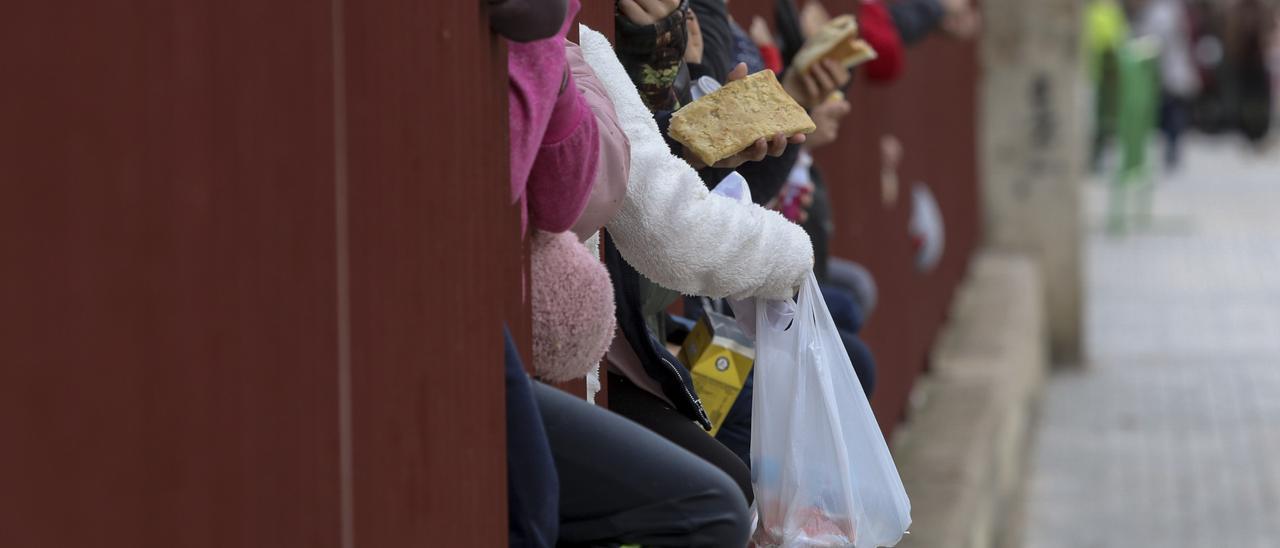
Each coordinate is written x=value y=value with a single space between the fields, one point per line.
x=673 y=230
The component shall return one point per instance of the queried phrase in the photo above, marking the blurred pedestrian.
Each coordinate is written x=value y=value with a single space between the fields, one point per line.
x=1167 y=22
x=1249 y=27
x=1106 y=28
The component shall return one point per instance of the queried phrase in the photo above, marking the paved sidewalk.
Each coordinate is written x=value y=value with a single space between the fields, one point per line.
x=1170 y=435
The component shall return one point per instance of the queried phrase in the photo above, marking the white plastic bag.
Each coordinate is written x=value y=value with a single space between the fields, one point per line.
x=823 y=475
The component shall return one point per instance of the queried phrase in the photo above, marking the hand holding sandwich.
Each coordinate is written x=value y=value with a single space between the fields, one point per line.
x=760 y=33
x=773 y=146
x=822 y=65
x=813 y=16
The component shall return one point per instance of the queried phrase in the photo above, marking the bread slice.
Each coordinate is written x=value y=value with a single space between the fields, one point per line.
x=837 y=40
x=733 y=117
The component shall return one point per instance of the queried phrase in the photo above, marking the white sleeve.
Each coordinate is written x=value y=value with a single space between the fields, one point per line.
x=673 y=230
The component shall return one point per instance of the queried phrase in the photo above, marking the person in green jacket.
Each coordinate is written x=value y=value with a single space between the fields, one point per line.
x=1105 y=30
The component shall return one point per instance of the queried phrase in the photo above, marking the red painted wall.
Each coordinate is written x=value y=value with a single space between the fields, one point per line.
x=257 y=258
x=254 y=259
x=435 y=259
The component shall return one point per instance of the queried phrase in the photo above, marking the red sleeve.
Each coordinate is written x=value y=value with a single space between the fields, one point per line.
x=876 y=27
x=772 y=58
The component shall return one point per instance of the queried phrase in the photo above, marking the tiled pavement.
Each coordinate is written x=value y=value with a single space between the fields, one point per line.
x=1170 y=435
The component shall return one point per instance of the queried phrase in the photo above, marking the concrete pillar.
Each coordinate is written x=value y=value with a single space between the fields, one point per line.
x=1033 y=139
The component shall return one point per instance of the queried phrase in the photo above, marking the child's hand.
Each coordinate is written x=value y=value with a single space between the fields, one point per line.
x=963 y=25
x=760 y=33
x=812 y=87
x=647 y=12
x=890 y=152
x=827 y=119
x=813 y=16
x=956 y=6
x=890 y=157
x=774 y=146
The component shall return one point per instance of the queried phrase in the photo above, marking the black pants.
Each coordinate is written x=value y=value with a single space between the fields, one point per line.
x=533 y=489
x=621 y=483
x=649 y=411
x=1175 y=114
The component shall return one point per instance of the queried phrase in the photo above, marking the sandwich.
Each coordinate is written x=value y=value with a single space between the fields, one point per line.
x=837 y=40
x=730 y=119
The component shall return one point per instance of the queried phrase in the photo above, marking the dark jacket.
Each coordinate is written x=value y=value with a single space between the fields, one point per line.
x=675 y=380
x=790 y=38
x=717 y=40
x=767 y=177
x=916 y=19
x=533 y=488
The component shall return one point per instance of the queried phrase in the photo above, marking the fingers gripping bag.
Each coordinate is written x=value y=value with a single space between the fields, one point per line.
x=822 y=473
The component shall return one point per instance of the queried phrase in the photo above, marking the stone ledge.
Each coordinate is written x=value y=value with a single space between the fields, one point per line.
x=962 y=451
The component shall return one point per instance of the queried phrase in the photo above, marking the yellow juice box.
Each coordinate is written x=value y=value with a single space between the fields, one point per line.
x=719 y=355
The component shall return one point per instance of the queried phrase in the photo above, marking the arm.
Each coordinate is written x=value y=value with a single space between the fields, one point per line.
x=536 y=73
x=651 y=54
x=673 y=230
x=877 y=28
x=610 y=185
x=553 y=136
x=565 y=168
x=767 y=44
